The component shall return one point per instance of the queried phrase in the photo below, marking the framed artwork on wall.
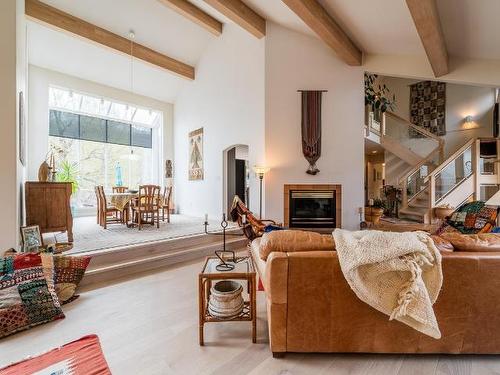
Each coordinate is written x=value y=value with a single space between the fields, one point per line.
x=22 y=130
x=196 y=171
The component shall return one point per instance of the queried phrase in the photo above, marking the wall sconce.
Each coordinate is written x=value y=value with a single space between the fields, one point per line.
x=468 y=122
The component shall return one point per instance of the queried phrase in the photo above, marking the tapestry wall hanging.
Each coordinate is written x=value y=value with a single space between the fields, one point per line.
x=196 y=155
x=311 y=128
x=428 y=107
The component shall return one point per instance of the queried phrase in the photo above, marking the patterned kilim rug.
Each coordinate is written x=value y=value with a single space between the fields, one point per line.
x=83 y=356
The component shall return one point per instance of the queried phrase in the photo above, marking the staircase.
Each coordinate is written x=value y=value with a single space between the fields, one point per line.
x=451 y=182
x=428 y=180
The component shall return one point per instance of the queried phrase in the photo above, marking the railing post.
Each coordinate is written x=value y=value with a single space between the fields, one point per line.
x=382 y=125
x=404 y=193
x=432 y=196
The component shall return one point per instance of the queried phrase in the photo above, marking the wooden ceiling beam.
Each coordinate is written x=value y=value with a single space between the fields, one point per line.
x=40 y=11
x=238 y=12
x=195 y=14
x=317 y=18
x=426 y=18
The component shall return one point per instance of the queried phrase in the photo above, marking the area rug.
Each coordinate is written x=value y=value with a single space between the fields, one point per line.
x=80 y=357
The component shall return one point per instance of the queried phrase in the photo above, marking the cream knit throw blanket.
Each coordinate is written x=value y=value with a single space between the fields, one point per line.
x=398 y=274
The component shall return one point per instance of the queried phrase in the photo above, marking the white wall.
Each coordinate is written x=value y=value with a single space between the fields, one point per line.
x=461 y=100
x=295 y=61
x=227 y=100
x=12 y=78
x=38 y=129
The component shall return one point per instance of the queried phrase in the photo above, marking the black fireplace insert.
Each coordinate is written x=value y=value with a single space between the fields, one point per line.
x=312 y=209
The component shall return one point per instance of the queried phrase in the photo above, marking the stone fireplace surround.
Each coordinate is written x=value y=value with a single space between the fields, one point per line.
x=288 y=188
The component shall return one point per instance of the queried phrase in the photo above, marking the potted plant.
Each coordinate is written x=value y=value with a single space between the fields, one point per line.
x=374 y=212
x=68 y=172
x=378 y=98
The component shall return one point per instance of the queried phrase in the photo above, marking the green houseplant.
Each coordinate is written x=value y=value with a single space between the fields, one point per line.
x=68 y=172
x=378 y=97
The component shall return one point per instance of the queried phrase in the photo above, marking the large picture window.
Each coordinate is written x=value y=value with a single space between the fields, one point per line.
x=104 y=142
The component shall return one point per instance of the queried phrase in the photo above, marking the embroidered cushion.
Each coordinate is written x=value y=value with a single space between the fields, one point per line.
x=68 y=272
x=471 y=218
x=27 y=294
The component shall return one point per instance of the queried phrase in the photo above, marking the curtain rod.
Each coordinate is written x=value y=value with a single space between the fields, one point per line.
x=312 y=90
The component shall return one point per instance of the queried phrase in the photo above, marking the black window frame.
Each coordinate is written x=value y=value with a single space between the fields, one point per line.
x=107 y=125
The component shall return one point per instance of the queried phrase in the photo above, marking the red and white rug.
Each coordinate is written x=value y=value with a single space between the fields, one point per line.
x=80 y=357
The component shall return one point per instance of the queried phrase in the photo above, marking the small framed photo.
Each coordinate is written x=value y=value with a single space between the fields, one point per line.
x=32 y=238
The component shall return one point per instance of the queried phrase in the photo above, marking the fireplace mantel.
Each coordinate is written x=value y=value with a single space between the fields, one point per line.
x=337 y=189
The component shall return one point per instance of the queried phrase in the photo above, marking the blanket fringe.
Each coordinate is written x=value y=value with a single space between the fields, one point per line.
x=415 y=263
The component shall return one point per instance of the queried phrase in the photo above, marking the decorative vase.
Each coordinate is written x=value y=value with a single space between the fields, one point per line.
x=43 y=172
x=226 y=300
x=373 y=214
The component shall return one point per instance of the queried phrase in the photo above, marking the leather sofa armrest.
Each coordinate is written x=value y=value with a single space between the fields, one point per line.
x=276 y=287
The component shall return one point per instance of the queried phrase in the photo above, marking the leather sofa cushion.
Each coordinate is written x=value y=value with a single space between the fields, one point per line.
x=290 y=241
x=441 y=243
x=483 y=242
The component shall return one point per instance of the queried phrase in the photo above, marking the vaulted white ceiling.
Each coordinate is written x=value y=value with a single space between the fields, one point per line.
x=385 y=27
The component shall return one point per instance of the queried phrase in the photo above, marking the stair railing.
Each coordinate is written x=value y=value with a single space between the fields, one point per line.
x=451 y=173
x=425 y=151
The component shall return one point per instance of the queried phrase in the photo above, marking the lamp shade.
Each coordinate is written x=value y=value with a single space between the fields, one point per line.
x=260 y=170
x=494 y=200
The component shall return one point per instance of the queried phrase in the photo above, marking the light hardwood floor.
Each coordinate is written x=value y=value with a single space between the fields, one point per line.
x=148 y=324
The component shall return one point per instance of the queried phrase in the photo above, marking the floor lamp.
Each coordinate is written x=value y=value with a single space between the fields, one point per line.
x=260 y=172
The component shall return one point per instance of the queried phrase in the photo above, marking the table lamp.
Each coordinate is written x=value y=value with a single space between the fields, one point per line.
x=260 y=171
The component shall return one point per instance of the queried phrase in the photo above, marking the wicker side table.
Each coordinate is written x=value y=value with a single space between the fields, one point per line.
x=244 y=270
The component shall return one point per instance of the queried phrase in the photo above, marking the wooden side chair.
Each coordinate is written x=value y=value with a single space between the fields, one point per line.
x=165 y=203
x=252 y=227
x=120 y=189
x=147 y=209
x=98 y=202
x=108 y=213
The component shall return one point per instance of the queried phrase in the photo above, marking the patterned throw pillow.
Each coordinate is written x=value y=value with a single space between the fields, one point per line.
x=471 y=218
x=68 y=272
x=27 y=294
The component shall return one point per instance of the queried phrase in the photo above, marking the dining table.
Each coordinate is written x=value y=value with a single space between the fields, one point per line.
x=123 y=202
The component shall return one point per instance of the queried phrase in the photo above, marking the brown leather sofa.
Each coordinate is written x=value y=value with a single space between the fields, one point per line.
x=311 y=308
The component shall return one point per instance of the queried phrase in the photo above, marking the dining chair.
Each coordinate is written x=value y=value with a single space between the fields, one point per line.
x=98 y=204
x=109 y=214
x=165 y=203
x=120 y=189
x=147 y=206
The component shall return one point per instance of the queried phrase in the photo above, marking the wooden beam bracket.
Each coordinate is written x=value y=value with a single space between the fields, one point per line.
x=426 y=18
x=317 y=18
x=195 y=14
x=240 y=13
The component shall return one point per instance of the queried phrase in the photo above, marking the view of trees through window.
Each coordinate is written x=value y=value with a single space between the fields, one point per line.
x=97 y=163
x=95 y=149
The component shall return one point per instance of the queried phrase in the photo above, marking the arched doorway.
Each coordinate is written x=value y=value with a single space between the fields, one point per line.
x=236 y=174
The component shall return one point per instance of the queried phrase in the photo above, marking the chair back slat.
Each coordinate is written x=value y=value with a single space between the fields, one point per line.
x=167 y=194
x=120 y=189
x=149 y=197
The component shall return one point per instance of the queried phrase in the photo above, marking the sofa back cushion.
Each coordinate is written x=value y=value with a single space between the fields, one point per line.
x=441 y=243
x=482 y=242
x=294 y=240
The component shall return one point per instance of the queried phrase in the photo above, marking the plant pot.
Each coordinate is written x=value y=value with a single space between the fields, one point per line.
x=226 y=300
x=373 y=214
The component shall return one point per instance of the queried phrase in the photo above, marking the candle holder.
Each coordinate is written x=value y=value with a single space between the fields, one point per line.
x=224 y=265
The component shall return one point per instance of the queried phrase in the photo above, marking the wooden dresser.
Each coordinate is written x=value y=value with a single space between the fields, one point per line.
x=48 y=205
